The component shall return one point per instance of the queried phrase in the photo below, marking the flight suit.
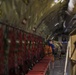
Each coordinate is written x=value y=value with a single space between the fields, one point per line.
x=48 y=52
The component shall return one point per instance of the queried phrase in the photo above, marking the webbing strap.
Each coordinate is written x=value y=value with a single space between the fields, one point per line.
x=73 y=49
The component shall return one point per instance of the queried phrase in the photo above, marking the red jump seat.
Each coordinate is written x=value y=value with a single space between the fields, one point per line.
x=35 y=73
x=40 y=68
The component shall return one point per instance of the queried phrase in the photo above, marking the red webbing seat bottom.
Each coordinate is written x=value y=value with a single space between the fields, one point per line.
x=35 y=73
x=41 y=67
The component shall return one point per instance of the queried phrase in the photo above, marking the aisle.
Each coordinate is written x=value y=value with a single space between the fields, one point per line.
x=58 y=67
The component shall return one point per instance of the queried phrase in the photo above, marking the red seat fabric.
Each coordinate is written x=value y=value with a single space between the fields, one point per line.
x=35 y=73
x=12 y=44
x=1 y=52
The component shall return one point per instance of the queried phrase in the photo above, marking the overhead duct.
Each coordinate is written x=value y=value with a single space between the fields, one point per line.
x=71 y=5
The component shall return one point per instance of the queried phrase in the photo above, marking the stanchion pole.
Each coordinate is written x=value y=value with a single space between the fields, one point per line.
x=66 y=60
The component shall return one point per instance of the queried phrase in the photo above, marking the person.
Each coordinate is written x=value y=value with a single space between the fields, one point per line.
x=52 y=46
x=48 y=52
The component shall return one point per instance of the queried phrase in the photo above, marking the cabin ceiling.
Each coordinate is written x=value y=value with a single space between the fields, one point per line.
x=40 y=17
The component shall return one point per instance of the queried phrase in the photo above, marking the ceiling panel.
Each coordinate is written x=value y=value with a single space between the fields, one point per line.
x=40 y=14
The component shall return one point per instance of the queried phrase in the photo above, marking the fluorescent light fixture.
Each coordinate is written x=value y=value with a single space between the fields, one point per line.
x=24 y=21
x=56 y=24
x=62 y=1
x=34 y=28
x=56 y=1
x=52 y=5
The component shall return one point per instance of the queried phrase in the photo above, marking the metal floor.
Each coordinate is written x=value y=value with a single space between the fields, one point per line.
x=58 y=67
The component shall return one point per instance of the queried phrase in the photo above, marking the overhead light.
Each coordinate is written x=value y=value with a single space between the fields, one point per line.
x=56 y=24
x=52 y=5
x=24 y=21
x=62 y=1
x=34 y=29
x=56 y=1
